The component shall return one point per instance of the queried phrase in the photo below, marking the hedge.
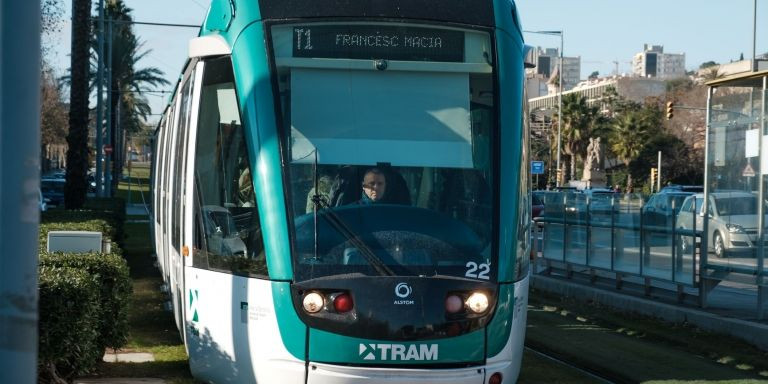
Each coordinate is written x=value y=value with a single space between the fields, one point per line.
x=110 y=211
x=94 y=225
x=68 y=323
x=83 y=296
x=112 y=275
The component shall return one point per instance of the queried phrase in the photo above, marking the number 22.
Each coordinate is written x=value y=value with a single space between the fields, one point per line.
x=472 y=268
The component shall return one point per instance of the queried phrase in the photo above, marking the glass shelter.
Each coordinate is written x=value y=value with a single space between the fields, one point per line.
x=735 y=232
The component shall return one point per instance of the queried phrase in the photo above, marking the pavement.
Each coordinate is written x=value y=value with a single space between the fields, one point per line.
x=136 y=210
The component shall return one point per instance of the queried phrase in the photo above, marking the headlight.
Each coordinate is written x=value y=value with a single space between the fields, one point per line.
x=313 y=302
x=734 y=228
x=477 y=302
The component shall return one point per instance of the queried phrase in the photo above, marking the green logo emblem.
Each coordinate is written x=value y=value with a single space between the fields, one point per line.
x=193 y=300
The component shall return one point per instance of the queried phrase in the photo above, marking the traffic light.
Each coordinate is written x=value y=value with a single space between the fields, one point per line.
x=670 y=110
x=653 y=178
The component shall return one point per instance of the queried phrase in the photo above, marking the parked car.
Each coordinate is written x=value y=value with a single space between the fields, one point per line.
x=661 y=208
x=601 y=200
x=53 y=191
x=537 y=205
x=672 y=188
x=42 y=202
x=732 y=221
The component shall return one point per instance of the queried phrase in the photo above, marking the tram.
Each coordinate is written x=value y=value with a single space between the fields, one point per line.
x=341 y=193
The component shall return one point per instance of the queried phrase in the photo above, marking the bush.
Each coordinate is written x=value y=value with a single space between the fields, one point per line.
x=110 y=211
x=94 y=225
x=112 y=276
x=68 y=323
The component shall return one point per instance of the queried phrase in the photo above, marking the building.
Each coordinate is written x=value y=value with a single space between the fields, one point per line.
x=631 y=88
x=547 y=62
x=653 y=62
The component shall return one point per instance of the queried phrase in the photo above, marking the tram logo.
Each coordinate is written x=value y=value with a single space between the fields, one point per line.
x=403 y=290
x=398 y=352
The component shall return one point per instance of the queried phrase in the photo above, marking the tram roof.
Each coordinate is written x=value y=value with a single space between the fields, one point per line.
x=476 y=12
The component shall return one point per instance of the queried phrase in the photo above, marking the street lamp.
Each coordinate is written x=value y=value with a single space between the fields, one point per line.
x=559 y=94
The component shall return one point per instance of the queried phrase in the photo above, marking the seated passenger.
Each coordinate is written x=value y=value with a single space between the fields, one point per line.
x=374 y=186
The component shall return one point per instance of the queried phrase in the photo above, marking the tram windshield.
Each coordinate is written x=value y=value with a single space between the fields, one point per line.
x=388 y=130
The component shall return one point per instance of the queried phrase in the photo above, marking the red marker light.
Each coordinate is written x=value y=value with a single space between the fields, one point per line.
x=453 y=304
x=343 y=303
x=495 y=378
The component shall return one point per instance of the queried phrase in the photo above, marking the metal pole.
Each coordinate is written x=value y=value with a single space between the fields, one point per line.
x=99 y=90
x=658 y=174
x=761 y=193
x=19 y=188
x=754 y=37
x=704 y=247
x=560 y=109
x=108 y=140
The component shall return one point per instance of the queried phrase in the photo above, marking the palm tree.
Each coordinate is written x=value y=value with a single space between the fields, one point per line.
x=77 y=139
x=628 y=140
x=127 y=82
x=578 y=121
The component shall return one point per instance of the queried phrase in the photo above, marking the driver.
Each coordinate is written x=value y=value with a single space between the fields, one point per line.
x=374 y=186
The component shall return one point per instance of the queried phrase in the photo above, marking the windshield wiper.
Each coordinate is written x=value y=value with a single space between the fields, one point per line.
x=341 y=227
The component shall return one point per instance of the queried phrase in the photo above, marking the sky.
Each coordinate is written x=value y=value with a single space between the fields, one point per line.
x=599 y=31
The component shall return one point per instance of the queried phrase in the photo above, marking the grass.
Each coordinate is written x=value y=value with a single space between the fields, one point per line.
x=136 y=184
x=152 y=328
x=537 y=369
x=633 y=348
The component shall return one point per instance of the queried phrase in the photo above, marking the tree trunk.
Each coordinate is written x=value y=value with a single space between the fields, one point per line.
x=573 y=168
x=77 y=139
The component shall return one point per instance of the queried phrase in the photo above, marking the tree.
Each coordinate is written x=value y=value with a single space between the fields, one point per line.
x=580 y=122
x=708 y=64
x=54 y=123
x=632 y=130
x=127 y=82
x=51 y=13
x=77 y=139
x=712 y=74
x=594 y=75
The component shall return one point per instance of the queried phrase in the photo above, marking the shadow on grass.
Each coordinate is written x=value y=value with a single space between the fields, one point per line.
x=158 y=369
x=632 y=348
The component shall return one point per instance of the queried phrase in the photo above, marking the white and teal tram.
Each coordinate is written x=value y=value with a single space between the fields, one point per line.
x=281 y=265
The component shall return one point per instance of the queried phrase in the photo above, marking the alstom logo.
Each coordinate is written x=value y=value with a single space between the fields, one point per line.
x=398 y=352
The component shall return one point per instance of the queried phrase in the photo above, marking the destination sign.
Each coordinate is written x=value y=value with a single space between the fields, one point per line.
x=373 y=42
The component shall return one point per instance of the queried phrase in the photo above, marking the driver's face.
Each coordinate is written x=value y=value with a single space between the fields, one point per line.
x=374 y=186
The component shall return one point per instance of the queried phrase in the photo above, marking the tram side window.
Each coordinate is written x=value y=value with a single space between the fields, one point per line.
x=522 y=258
x=227 y=227
x=180 y=143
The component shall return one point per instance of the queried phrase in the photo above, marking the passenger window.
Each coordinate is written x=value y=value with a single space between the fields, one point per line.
x=226 y=214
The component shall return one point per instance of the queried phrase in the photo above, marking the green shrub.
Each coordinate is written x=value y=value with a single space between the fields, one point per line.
x=68 y=323
x=112 y=275
x=109 y=210
x=94 y=225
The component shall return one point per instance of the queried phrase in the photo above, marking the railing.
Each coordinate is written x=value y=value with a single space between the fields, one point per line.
x=654 y=241
x=609 y=233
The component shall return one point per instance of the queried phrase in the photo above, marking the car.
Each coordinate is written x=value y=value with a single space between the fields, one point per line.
x=661 y=208
x=672 y=188
x=732 y=218
x=222 y=235
x=42 y=202
x=601 y=200
x=537 y=204
x=53 y=191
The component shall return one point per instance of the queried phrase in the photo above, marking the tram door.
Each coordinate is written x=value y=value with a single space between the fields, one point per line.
x=179 y=153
